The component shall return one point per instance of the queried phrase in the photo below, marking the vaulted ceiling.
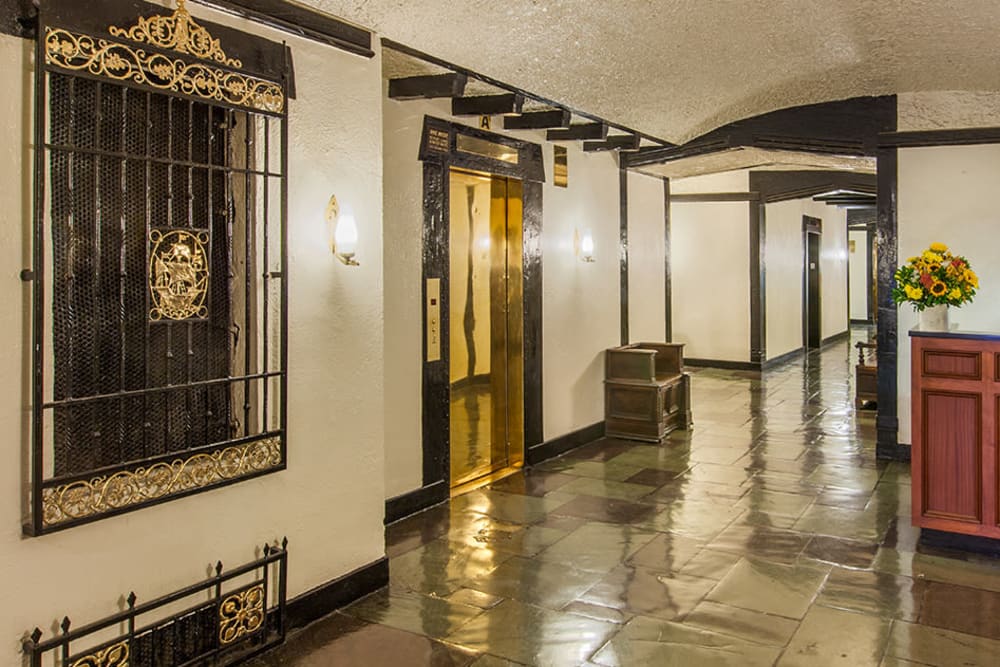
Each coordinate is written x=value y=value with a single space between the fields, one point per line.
x=676 y=69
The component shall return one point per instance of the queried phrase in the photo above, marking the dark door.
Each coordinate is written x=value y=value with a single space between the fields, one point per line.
x=811 y=306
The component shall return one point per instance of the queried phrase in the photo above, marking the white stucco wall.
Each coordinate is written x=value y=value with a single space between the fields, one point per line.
x=646 y=261
x=833 y=264
x=946 y=195
x=858 y=269
x=334 y=482
x=710 y=268
x=783 y=258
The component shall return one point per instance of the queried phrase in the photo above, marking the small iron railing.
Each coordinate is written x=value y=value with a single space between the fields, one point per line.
x=240 y=613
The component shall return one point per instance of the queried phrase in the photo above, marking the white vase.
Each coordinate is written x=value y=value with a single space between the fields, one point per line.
x=934 y=318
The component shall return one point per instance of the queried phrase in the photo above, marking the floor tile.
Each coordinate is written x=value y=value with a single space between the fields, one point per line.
x=942 y=648
x=783 y=590
x=962 y=609
x=604 y=488
x=598 y=547
x=641 y=591
x=534 y=636
x=840 y=551
x=606 y=509
x=873 y=593
x=834 y=637
x=552 y=585
x=342 y=640
x=749 y=625
x=666 y=553
x=413 y=612
x=779 y=546
x=646 y=641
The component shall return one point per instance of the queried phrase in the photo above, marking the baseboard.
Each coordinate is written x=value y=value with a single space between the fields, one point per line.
x=787 y=356
x=892 y=452
x=862 y=322
x=836 y=338
x=945 y=540
x=405 y=504
x=564 y=443
x=722 y=363
x=305 y=608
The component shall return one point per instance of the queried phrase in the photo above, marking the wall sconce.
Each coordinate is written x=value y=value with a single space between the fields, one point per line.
x=343 y=233
x=587 y=248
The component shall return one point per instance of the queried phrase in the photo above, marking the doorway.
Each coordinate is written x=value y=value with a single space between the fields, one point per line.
x=485 y=348
x=812 y=334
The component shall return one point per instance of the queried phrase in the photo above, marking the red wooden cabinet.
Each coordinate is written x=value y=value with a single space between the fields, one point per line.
x=955 y=395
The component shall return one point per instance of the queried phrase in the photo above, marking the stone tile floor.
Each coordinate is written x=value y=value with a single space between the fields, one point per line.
x=766 y=535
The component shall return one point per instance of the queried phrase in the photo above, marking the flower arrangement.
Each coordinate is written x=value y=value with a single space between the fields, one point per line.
x=935 y=277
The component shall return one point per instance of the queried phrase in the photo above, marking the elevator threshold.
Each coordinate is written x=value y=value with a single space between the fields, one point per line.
x=479 y=482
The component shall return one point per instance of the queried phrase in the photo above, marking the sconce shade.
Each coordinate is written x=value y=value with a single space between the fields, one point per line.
x=587 y=248
x=346 y=235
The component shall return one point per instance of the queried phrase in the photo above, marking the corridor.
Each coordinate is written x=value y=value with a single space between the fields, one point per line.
x=768 y=534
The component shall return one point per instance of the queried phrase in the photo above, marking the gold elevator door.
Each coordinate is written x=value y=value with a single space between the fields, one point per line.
x=485 y=325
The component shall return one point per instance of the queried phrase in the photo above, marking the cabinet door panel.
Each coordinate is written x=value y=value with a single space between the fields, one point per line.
x=952 y=455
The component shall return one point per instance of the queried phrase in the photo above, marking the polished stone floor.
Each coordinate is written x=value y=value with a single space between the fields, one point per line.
x=768 y=534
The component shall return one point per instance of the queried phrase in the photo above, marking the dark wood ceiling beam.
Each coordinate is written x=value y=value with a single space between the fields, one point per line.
x=487 y=105
x=578 y=132
x=622 y=142
x=427 y=87
x=538 y=120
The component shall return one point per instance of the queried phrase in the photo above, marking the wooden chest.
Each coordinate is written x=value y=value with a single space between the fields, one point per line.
x=646 y=391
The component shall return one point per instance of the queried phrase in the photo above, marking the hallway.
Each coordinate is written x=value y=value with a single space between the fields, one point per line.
x=768 y=534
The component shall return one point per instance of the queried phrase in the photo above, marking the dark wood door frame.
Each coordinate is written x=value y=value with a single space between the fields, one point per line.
x=439 y=153
x=812 y=230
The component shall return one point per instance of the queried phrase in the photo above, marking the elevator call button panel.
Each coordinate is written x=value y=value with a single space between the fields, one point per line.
x=433 y=319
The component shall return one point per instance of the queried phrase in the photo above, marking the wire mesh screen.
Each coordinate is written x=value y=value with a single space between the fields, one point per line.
x=164 y=312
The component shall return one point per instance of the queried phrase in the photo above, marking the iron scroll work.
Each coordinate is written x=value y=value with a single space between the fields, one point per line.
x=159 y=313
x=226 y=619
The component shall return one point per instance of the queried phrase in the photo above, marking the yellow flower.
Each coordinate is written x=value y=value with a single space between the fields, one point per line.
x=955 y=294
x=939 y=247
x=914 y=293
x=971 y=278
x=912 y=260
x=938 y=288
x=932 y=258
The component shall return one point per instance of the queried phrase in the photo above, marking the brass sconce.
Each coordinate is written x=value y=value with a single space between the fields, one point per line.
x=343 y=233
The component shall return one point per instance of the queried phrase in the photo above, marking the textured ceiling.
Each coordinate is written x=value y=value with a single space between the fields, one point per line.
x=679 y=68
x=758 y=159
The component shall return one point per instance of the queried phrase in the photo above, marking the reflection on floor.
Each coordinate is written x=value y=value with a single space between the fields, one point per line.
x=769 y=534
x=471 y=412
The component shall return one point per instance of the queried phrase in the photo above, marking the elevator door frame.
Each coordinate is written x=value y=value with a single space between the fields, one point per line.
x=439 y=154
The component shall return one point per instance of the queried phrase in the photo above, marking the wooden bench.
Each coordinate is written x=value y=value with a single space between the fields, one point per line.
x=646 y=391
x=866 y=377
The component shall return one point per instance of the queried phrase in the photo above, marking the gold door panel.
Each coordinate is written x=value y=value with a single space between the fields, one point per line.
x=485 y=349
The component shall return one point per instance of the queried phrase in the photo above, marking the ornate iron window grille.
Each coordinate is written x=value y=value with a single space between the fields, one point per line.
x=158 y=266
x=226 y=619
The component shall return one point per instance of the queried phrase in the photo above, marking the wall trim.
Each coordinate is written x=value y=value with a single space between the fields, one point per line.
x=758 y=283
x=564 y=443
x=668 y=315
x=887 y=422
x=953 y=137
x=959 y=541
x=297 y=19
x=722 y=363
x=782 y=358
x=836 y=338
x=623 y=252
x=411 y=502
x=307 y=607
x=854 y=321
x=681 y=198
